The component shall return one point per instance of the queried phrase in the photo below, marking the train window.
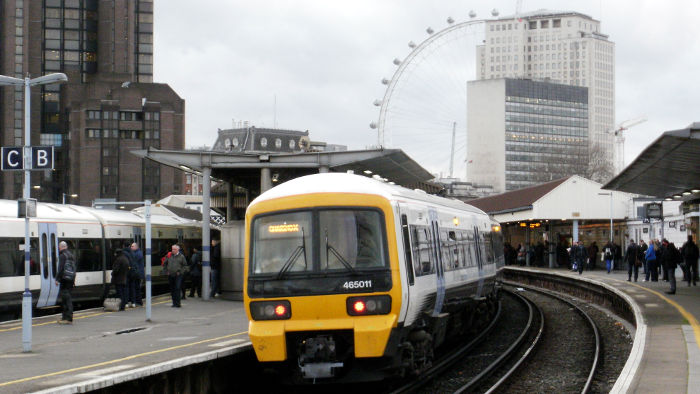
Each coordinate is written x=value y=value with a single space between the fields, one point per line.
x=89 y=255
x=44 y=256
x=10 y=259
x=422 y=250
x=282 y=242
x=54 y=256
x=352 y=237
x=445 y=251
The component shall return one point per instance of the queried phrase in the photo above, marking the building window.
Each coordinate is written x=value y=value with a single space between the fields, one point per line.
x=278 y=143
x=263 y=142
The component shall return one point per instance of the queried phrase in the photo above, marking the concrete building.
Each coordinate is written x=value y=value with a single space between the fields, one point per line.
x=523 y=132
x=108 y=107
x=559 y=46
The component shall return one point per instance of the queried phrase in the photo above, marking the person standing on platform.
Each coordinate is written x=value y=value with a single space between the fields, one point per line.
x=662 y=257
x=120 y=271
x=580 y=256
x=689 y=250
x=643 y=249
x=672 y=257
x=632 y=259
x=617 y=260
x=608 y=255
x=196 y=272
x=650 y=257
x=137 y=275
x=176 y=265
x=215 y=267
x=592 y=253
x=65 y=277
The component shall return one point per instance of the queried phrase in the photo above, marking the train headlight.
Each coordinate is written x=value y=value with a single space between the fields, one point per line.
x=271 y=310
x=368 y=305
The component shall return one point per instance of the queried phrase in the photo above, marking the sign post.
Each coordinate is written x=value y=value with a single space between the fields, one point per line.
x=27 y=164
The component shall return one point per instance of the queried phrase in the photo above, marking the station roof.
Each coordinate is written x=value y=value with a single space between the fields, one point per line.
x=572 y=198
x=243 y=169
x=668 y=167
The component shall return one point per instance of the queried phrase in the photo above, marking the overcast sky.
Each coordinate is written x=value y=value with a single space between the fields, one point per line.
x=323 y=60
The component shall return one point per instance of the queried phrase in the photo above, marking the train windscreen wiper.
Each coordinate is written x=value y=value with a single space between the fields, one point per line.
x=301 y=249
x=337 y=255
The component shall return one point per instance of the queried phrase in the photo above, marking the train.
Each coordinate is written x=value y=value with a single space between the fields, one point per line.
x=92 y=235
x=349 y=278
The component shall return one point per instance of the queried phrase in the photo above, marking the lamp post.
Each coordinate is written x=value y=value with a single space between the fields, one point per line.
x=27 y=296
x=611 y=213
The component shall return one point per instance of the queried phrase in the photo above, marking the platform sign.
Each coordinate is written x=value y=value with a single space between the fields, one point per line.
x=12 y=158
x=654 y=210
x=38 y=158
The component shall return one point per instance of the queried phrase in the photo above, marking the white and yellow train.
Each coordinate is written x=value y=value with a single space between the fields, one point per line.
x=348 y=278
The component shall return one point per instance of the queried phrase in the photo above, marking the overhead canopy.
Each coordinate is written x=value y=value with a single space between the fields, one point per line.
x=669 y=167
x=243 y=169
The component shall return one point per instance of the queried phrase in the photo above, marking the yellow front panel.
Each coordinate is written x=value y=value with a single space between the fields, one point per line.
x=326 y=312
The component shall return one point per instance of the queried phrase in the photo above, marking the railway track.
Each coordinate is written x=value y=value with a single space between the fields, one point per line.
x=501 y=361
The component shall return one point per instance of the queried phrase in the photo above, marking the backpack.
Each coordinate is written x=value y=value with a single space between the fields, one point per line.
x=608 y=254
x=69 y=269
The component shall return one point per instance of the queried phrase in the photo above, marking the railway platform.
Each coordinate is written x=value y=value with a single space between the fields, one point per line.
x=101 y=348
x=669 y=359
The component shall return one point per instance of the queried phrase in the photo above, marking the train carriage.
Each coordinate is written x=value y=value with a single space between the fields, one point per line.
x=348 y=278
x=92 y=235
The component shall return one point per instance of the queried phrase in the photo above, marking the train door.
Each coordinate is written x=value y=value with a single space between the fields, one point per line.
x=48 y=264
x=408 y=257
x=439 y=269
x=478 y=248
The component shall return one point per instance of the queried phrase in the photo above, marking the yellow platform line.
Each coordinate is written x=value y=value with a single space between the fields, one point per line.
x=18 y=327
x=688 y=316
x=4 y=384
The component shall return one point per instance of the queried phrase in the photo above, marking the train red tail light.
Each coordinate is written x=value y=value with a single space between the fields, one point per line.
x=270 y=310
x=368 y=305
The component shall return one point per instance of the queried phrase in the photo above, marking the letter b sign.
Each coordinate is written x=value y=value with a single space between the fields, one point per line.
x=42 y=157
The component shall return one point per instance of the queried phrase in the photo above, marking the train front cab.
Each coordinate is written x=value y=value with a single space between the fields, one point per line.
x=322 y=287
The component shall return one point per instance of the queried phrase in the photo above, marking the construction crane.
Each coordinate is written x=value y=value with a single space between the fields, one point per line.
x=620 y=140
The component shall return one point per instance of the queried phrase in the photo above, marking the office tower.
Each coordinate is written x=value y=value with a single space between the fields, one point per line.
x=560 y=47
x=523 y=132
x=108 y=107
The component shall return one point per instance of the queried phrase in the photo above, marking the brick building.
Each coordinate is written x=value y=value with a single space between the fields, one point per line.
x=108 y=107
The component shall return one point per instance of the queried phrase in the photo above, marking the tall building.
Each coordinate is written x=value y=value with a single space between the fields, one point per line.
x=523 y=132
x=108 y=107
x=561 y=47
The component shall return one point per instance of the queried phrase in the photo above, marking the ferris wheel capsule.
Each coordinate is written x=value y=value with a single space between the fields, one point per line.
x=377 y=103
x=397 y=61
x=494 y=12
x=450 y=20
x=472 y=14
x=385 y=81
x=411 y=44
x=373 y=125
x=430 y=30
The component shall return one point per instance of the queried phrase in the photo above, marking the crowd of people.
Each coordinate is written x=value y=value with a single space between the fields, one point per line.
x=128 y=273
x=658 y=259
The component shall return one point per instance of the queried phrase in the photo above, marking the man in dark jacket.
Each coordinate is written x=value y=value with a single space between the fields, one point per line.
x=120 y=270
x=632 y=259
x=579 y=255
x=196 y=272
x=690 y=256
x=672 y=257
x=136 y=274
x=66 y=284
x=177 y=264
x=592 y=253
x=215 y=266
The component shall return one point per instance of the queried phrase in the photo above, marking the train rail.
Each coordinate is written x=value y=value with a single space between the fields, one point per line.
x=513 y=382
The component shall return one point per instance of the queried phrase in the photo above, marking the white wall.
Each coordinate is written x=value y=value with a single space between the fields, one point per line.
x=486 y=125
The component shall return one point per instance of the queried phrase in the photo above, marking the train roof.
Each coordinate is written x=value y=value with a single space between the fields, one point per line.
x=350 y=183
x=77 y=213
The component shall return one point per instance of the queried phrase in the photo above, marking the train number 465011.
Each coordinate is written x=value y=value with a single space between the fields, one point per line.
x=357 y=284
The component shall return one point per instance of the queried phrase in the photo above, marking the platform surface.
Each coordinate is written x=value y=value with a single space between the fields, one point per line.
x=119 y=344
x=670 y=358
